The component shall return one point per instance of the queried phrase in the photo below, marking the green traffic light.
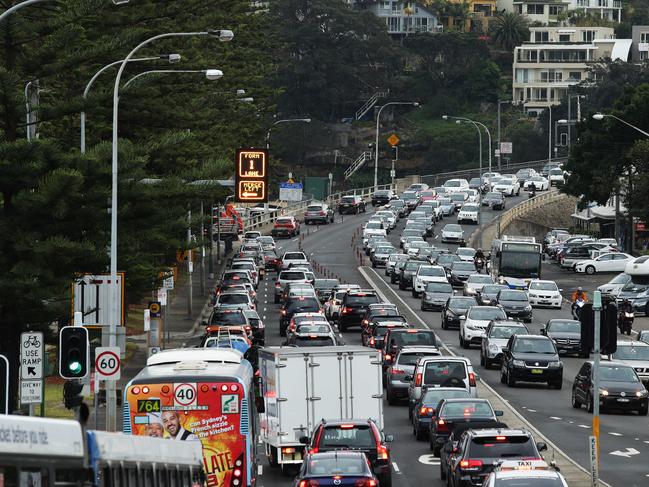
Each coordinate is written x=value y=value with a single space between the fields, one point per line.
x=75 y=367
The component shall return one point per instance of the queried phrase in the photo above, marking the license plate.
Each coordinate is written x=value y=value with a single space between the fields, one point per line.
x=623 y=399
x=537 y=371
x=544 y=301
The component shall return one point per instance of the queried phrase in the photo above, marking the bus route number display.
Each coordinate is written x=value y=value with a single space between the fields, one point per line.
x=251 y=176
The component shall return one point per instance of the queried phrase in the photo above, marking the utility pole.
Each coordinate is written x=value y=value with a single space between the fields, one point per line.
x=202 y=252
x=597 y=308
x=210 y=258
x=190 y=266
x=498 y=148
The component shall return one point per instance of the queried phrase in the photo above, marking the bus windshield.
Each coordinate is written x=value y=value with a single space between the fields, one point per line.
x=520 y=264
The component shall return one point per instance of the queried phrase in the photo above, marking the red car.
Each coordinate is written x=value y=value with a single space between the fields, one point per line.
x=286 y=226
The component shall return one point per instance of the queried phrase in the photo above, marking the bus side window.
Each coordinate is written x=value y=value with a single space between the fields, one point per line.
x=148 y=477
x=116 y=478
x=162 y=477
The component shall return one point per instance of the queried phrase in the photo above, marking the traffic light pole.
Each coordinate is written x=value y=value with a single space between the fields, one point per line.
x=597 y=308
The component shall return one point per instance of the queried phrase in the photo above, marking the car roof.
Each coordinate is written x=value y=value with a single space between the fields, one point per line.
x=499 y=432
x=533 y=337
x=633 y=343
x=418 y=348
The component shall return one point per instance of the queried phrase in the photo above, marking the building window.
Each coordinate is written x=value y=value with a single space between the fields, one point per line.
x=644 y=55
x=535 y=8
x=518 y=8
x=588 y=35
x=564 y=37
x=522 y=76
x=394 y=24
x=485 y=9
x=395 y=7
x=542 y=36
x=555 y=9
x=386 y=5
x=574 y=76
x=644 y=37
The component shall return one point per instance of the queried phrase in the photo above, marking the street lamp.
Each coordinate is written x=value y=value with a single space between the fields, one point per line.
x=376 y=143
x=221 y=35
x=172 y=58
x=475 y=122
x=210 y=74
x=601 y=116
x=286 y=120
x=27 y=3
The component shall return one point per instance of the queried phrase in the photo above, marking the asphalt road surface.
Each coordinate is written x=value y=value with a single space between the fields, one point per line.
x=624 y=438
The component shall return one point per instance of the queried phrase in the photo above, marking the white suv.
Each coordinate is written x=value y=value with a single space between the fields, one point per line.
x=474 y=324
x=468 y=212
x=426 y=274
x=544 y=293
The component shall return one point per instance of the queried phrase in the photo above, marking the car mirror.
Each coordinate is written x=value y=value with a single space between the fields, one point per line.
x=463 y=317
x=505 y=349
x=542 y=331
x=204 y=322
x=304 y=440
x=541 y=446
x=499 y=412
x=560 y=290
x=408 y=378
x=389 y=438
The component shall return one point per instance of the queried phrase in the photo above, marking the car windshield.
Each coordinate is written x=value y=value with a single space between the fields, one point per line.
x=493 y=196
x=466 y=409
x=631 y=352
x=480 y=279
x=381 y=192
x=432 y=271
x=374 y=226
x=347 y=436
x=452 y=184
x=434 y=396
x=233 y=299
x=536 y=179
x=225 y=318
x=284 y=221
x=383 y=328
x=428 y=193
x=614 y=373
x=486 y=313
x=356 y=299
x=452 y=228
x=411 y=233
x=292 y=276
x=397 y=204
x=464 y=266
x=306 y=303
x=335 y=465
x=294 y=256
x=413 y=338
x=314 y=341
x=439 y=287
x=348 y=199
x=411 y=358
x=620 y=279
x=461 y=303
x=447 y=259
x=512 y=296
x=507 y=331
x=533 y=345
x=458 y=197
x=495 y=289
x=469 y=208
x=556 y=172
x=412 y=266
x=568 y=326
x=445 y=373
x=325 y=283
x=409 y=195
x=502 y=446
x=310 y=317
x=465 y=252
x=312 y=328
x=445 y=201
x=543 y=286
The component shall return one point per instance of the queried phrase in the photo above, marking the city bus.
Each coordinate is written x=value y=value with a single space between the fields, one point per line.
x=44 y=452
x=203 y=395
x=516 y=260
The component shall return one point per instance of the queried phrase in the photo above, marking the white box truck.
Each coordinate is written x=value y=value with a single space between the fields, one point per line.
x=301 y=386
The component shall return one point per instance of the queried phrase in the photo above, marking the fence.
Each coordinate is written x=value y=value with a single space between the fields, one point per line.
x=438 y=179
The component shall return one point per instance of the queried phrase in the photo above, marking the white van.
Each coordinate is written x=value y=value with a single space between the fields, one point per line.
x=455 y=185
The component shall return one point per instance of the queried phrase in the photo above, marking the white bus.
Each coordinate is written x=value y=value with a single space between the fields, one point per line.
x=516 y=260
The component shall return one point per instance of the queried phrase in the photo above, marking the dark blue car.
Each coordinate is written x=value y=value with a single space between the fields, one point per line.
x=426 y=407
x=336 y=468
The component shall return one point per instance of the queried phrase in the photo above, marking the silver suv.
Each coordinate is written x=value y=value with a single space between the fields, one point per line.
x=318 y=213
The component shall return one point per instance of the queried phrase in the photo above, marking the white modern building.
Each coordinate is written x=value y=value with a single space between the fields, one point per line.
x=403 y=18
x=640 y=48
x=556 y=58
x=549 y=11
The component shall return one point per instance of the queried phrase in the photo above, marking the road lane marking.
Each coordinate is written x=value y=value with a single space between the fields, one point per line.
x=583 y=426
x=260 y=469
x=429 y=460
x=555 y=418
x=532 y=410
x=614 y=434
x=396 y=467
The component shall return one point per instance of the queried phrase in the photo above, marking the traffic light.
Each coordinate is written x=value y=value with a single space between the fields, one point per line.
x=74 y=352
x=72 y=397
x=609 y=328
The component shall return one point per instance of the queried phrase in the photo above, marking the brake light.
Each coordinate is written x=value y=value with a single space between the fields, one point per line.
x=501 y=438
x=412 y=331
x=472 y=465
x=388 y=358
x=283 y=312
x=365 y=483
x=397 y=371
x=277 y=284
x=418 y=379
x=425 y=411
x=346 y=310
x=472 y=379
x=346 y=426
x=372 y=342
x=366 y=322
x=309 y=483
x=442 y=426
x=382 y=453
x=288 y=450
x=323 y=213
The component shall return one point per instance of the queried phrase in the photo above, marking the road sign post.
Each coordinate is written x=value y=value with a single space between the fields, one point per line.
x=107 y=363
x=594 y=465
x=4 y=390
x=251 y=176
x=31 y=369
x=91 y=297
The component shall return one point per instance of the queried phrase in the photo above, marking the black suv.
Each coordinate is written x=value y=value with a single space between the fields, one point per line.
x=566 y=335
x=354 y=434
x=479 y=450
x=351 y=204
x=382 y=197
x=298 y=304
x=408 y=272
x=531 y=358
x=353 y=307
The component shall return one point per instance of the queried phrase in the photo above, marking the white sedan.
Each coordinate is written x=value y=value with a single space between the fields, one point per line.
x=541 y=183
x=611 y=262
x=544 y=293
x=507 y=187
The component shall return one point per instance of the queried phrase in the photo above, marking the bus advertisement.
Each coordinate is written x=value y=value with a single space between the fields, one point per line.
x=211 y=404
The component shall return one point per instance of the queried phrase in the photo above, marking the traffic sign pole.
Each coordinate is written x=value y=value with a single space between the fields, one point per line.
x=31 y=369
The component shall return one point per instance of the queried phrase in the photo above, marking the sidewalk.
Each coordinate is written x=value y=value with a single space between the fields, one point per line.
x=180 y=325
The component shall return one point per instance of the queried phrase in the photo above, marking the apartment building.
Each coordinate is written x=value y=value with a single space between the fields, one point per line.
x=480 y=14
x=403 y=18
x=640 y=46
x=556 y=58
x=549 y=11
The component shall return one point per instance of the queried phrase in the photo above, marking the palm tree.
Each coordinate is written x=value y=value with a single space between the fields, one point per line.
x=510 y=30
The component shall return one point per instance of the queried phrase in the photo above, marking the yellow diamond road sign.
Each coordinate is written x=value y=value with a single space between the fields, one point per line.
x=393 y=140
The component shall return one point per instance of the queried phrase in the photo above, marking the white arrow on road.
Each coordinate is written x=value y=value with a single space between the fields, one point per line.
x=429 y=460
x=628 y=453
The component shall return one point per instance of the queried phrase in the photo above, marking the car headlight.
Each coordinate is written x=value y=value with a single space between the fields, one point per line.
x=555 y=365
x=642 y=393
x=603 y=392
x=518 y=363
x=528 y=308
x=470 y=290
x=494 y=348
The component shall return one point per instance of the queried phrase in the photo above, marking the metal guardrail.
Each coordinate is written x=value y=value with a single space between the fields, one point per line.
x=505 y=218
x=438 y=179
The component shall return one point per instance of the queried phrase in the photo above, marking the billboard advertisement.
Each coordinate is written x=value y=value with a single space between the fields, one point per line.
x=209 y=412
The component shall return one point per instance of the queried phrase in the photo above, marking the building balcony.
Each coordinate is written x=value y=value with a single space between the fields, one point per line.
x=617 y=4
x=643 y=46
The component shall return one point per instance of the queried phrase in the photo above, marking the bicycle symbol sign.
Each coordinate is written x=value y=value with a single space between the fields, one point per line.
x=31 y=355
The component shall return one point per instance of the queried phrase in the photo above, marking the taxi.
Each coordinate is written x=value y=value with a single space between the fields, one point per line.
x=525 y=473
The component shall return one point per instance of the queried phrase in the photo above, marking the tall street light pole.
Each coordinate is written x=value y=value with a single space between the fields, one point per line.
x=599 y=117
x=173 y=58
x=376 y=143
x=550 y=136
x=285 y=120
x=210 y=74
x=27 y=3
x=498 y=155
x=111 y=398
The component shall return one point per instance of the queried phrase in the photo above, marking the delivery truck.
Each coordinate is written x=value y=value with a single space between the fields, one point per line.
x=301 y=386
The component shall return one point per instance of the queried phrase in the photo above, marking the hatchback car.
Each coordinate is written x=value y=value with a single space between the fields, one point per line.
x=531 y=358
x=515 y=303
x=353 y=307
x=426 y=408
x=488 y=294
x=496 y=201
x=452 y=233
x=400 y=373
x=339 y=468
x=495 y=339
x=435 y=295
x=454 y=309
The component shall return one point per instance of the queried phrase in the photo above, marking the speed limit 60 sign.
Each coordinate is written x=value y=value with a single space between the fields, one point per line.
x=107 y=363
